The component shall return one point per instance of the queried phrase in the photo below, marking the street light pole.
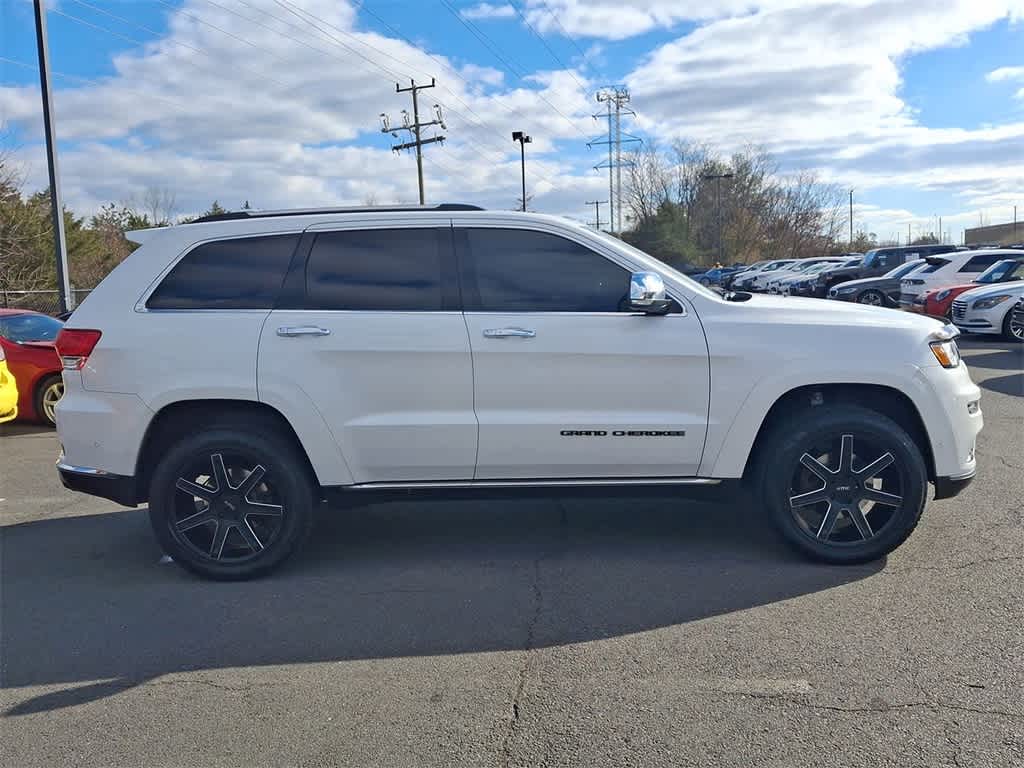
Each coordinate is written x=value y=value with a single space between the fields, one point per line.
x=56 y=206
x=718 y=205
x=523 y=140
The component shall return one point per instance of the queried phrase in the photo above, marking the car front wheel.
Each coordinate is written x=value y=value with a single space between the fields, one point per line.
x=843 y=484
x=231 y=504
x=872 y=298
x=1013 y=329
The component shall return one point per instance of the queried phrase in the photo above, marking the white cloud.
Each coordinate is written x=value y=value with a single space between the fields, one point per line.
x=1005 y=73
x=488 y=11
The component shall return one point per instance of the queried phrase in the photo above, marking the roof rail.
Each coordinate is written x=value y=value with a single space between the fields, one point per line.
x=232 y=215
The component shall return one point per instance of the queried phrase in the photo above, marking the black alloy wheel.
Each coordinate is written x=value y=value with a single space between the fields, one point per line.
x=844 y=484
x=232 y=503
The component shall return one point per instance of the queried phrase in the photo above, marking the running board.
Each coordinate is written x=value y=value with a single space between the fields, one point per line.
x=553 y=483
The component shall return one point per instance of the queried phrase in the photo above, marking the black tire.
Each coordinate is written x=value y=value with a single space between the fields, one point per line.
x=820 y=432
x=46 y=390
x=253 y=537
x=872 y=298
x=1010 y=331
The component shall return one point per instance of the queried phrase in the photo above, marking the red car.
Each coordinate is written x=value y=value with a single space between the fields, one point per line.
x=939 y=302
x=28 y=339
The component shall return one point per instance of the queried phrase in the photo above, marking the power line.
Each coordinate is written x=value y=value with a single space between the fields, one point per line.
x=483 y=38
x=136 y=41
x=565 y=32
x=544 y=42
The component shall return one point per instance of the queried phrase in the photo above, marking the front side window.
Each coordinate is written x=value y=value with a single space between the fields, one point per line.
x=244 y=273
x=396 y=270
x=516 y=270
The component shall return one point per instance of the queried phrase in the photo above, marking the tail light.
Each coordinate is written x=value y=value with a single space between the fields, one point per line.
x=74 y=345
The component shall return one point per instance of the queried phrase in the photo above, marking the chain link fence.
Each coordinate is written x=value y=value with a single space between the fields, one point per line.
x=47 y=302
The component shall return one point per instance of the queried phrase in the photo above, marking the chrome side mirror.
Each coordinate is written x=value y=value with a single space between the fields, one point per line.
x=647 y=294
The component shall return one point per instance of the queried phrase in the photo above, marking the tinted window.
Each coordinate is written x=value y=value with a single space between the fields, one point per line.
x=245 y=273
x=513 y=270
x=28 y=327
x=980 y=263
x=377 y=269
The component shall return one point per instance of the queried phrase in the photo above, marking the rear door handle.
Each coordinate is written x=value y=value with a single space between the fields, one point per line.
x=302 y=330
x=504 y=333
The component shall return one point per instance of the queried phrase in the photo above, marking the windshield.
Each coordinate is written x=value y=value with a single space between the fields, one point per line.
x=821 y=267
x=28 y=327
x=905 y=269
x=872 y=258
x=1007 y=269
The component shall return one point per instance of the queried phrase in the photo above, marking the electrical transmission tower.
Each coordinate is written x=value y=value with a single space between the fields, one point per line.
x=414 y=127
x=616 y=97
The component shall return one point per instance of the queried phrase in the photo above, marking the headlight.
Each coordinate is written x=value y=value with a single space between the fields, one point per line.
x=845 y=290
x=990 y=301
x=943 y=294
x=943 y=346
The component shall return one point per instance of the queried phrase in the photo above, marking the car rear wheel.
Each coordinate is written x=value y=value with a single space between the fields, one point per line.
x=48 y=394
x=843 y=484
x=872 y=298
x=1013 y=330
x=231 y=504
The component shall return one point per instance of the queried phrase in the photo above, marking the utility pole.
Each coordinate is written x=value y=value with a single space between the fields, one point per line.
x=60 y=246
x=616 y=97
x=1015 y=223
x=908 y=233
x=597 y=211
x=851 y=219
x=718 y=205
x=940 y=230
x=523 y=140
x=414 y=127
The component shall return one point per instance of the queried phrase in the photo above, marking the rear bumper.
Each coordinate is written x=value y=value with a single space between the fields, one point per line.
x=948 y=487
x=96 y=482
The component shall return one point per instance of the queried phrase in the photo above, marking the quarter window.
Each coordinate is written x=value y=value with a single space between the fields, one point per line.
x=516 y=270
x=377 y=269
x=244 y=273
x=981 y=263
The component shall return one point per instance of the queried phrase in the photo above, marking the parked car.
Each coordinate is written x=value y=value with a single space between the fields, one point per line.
x=728 y=282
x=715 y=276
x=947 y=270
x=938 y=302
x=449 y=351
x=27 y=339
x=878 y=261
x=881 y=291
x=798 y=271
x=816 y=285
x=8 y=391
x=988 y=310
x=758 y=281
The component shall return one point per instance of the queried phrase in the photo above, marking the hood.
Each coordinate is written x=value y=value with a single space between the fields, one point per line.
x=1013 y=288
x=818 y=312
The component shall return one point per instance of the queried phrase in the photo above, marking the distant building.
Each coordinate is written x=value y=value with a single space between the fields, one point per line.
x=1004 y=234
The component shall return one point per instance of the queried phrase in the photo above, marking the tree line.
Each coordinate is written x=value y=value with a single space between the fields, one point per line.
x=673 y=202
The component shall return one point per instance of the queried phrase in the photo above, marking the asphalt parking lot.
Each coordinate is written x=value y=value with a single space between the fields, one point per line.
x=531 y=633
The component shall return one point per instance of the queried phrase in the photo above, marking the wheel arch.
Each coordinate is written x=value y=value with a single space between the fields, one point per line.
x=178 y=419
x=888 y=401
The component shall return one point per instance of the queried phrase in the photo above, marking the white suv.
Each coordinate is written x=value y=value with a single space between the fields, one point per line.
x=949 y=269
x=235 y=371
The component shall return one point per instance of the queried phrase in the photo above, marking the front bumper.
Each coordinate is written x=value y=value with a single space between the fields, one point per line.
x=97 y=482
x=982 y=320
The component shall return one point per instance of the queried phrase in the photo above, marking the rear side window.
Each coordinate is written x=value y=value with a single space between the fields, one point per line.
x=981 y=263
x=378 y=269
x=244 y=273
x=515 y=270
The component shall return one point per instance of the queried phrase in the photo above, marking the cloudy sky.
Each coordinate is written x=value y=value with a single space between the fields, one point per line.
x=917 y=105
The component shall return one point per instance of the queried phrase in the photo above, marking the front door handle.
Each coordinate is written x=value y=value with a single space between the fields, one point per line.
x=504 y=333
x=303 y=330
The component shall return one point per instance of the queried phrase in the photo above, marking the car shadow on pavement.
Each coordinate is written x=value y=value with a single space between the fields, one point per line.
x=16 y=428
x=88 y=607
